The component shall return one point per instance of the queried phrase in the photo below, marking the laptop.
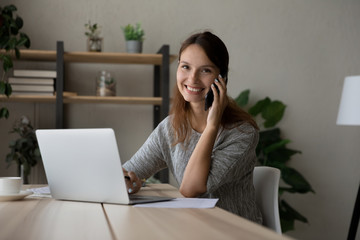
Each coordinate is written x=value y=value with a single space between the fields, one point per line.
x=84 y=165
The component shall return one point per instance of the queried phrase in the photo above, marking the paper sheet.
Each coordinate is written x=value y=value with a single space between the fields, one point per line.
x=182 y=203
x=40 y=192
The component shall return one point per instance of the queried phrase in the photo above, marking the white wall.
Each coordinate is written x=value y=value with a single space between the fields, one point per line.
x=295 y=51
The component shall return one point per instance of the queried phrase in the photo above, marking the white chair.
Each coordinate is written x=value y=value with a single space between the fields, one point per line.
x=266 y=183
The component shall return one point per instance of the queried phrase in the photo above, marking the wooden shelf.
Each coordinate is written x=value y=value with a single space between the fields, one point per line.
x=83 y=99
x=115 y=99
x=37 y=55
x=109 y=57
x=28 y=99
x=94 y=57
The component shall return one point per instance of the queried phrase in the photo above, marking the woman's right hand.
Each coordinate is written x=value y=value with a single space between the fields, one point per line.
x=220 y=102
x=133 y=183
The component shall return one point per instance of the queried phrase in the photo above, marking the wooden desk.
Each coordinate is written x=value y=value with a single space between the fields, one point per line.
x=43 y=218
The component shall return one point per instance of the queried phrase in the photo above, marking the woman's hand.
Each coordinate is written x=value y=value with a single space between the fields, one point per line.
x=133 y=183
x=220 y=102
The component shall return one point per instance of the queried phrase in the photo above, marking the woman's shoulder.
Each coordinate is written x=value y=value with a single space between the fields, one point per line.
x=164 y=127
x=242 y=126
x=241 y=130
x=165 y=123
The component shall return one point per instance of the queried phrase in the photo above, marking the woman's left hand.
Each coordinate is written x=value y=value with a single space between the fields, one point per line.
x=133 y=183
x=220 y=102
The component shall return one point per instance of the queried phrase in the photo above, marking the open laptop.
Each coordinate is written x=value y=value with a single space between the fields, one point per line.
x=84 y=165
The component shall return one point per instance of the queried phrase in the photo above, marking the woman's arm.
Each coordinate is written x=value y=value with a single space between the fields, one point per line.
x=194 y=181
x=197 y=170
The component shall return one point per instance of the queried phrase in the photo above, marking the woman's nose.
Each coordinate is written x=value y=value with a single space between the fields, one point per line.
x=193 y=77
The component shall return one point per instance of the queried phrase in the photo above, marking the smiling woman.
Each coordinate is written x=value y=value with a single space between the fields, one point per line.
x=210 y=152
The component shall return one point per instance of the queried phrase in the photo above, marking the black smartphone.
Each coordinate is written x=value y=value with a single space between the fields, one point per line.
x=209 y=97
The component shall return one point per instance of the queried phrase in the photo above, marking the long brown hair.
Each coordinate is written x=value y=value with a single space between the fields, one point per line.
x=233 y=115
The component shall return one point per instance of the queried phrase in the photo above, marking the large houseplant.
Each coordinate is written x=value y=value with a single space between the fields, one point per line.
x=11 y=39
x=134 y=36
x=272 y=151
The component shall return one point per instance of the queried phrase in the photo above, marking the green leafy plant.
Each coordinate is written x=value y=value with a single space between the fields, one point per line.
x=24 y=150
x=92 y=30
x=272 y=151
x=133 y=32
x=11 y=39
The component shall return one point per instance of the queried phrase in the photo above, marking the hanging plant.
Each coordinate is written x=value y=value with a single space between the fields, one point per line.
x=11 y=39
x=272 y=151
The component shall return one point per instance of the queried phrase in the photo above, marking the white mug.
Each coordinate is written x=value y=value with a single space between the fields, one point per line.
x=10 y=185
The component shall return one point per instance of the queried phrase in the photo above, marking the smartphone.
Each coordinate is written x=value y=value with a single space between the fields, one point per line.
x=209 y=97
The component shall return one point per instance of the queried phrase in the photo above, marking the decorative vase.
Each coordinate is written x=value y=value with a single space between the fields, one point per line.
x=105 y=84
x=94 y=44
x=133 y=46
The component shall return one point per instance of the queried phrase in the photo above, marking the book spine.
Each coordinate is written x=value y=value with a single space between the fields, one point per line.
x=34 y=73
x=27 y=93
x=35 y=81
x=34 y=88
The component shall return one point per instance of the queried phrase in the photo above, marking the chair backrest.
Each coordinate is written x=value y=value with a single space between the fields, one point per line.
x=266 y=183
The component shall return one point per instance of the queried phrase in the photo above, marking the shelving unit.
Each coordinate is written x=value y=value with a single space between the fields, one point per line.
x=160 y=99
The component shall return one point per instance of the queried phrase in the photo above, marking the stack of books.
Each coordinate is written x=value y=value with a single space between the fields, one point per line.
x=33 y=82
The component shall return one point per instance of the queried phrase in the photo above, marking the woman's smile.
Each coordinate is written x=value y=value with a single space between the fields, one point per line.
x=194 y=90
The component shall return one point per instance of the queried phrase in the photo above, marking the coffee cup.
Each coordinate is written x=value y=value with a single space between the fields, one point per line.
x=10 y=185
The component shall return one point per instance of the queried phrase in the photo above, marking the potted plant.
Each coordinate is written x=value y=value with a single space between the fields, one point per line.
x=11 y=39
x=134 y=36
x=272 y=151
x=94 y=41
x=24 y=150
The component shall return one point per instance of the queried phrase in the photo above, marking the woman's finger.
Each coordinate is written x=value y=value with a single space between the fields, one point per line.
x=134 y=183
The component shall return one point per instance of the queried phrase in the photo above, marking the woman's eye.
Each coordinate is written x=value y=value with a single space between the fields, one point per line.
x=206 y=70
x=185 y=67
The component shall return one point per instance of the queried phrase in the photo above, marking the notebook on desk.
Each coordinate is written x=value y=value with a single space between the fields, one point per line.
x=84 y=165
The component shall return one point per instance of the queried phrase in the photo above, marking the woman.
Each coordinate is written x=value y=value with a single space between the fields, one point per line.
x=211 y=153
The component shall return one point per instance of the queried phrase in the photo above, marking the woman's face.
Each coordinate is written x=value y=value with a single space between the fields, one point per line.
x=195 y=74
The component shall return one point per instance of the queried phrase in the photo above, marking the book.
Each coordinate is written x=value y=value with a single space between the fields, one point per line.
x=15 y=93
x=35 y=81
x=34 y=88
x=34 y=73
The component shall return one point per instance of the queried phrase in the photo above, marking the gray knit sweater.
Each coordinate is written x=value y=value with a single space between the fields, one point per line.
x=231 y=172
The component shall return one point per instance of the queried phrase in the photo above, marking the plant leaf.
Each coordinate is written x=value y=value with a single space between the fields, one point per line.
x=2 y=87
x=282 y=155
x=19 y=22
x=27 y=42
x=243 y=98
x=4 y=113
x=296 y=180
x=8 y=89
x=276 y=146
x=273 y=113
x=292 y=212
x=7 y=62
x=259 y=106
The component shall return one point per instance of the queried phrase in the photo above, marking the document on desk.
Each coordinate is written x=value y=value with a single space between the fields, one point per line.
x=40 y=192
x=182 y=203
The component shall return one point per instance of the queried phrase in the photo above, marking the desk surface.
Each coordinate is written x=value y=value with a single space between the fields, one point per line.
x=44 y=218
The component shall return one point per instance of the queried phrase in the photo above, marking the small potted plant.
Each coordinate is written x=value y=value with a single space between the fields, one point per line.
x=94 y=41
x=134 y=36
x=24 y=150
